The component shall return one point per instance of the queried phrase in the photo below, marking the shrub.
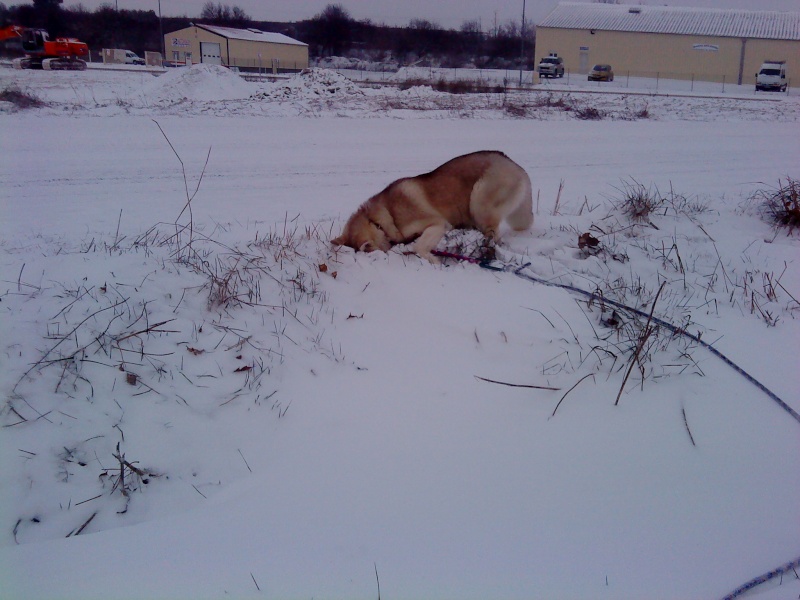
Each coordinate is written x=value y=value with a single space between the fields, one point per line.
x=780 y=205
x=20 y=99
x=456 y=86
x=638 y=202
x=588 y=113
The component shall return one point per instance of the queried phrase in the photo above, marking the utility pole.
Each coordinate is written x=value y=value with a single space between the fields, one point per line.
x=522 y=44
x=161 y=32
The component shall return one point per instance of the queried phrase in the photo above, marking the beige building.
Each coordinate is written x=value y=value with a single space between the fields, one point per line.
x=671 y=42
x=247 y=49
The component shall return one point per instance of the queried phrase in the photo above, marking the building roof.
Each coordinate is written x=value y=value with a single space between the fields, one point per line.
x=250 y=35
x=676 y=20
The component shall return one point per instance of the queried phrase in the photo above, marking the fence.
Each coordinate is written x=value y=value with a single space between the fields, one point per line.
x=641 y=81
x=266 y=67
x=482 y=78
x=666 y=81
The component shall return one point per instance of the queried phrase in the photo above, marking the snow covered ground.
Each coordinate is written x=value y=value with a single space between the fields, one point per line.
x=209 y=401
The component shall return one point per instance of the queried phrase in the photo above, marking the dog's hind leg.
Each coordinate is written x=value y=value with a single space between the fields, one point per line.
x=428 y=240
x=503 y=193
x=521 y=218
x=487 y=215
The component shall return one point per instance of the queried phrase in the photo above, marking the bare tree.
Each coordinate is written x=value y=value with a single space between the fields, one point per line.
x=223 y=14
x=472 y=27
x=332 y=30
x=423 y=25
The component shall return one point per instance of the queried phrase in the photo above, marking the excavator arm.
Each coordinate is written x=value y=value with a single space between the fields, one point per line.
x=11 y=32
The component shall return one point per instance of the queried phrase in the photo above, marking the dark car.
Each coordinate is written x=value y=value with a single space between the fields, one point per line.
x=601 y=73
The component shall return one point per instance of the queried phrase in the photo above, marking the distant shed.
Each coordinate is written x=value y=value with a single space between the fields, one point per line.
x=673 y=42
x=247 y=49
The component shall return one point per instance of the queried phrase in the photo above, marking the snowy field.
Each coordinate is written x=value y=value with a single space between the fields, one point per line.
x=205 y=400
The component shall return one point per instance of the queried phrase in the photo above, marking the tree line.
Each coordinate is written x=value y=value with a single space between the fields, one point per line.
x=332 y=32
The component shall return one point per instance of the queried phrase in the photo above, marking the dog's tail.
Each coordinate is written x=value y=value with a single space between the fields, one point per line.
x=521 y=218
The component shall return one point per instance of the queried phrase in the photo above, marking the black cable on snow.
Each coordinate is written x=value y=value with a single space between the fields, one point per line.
x=675 y=329
x=756 y=581
x=763 y=579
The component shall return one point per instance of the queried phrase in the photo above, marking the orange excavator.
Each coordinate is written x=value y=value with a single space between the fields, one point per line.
x=43 y=53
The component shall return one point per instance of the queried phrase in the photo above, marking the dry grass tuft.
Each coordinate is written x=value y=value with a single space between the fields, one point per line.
x=780 y=205
x=455 y=86
x=20 y=99
x=638 y=202
x=588 y=113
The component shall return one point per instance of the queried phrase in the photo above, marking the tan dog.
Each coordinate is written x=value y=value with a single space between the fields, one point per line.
x=474 y=191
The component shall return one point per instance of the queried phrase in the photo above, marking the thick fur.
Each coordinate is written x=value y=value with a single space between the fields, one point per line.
x=474 y=191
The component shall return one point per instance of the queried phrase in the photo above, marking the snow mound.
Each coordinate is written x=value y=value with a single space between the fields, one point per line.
x=312 y=84
x=418 y=91
x=201 y=82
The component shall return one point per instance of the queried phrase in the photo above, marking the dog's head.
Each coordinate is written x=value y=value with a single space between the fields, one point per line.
x=363 y=234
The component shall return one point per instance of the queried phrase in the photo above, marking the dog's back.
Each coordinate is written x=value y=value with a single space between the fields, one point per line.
x=462 y=184
x=473 y=191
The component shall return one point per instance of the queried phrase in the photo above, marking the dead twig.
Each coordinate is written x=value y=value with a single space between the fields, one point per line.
x=189 y=197
x=569 y=390
x=116 y=235
x=64 y=338
x=245 y=460
x=646 y=333
x=686 y=422
x=16 y=529
x=82 y=527
x=557 y=206
x=541 y=313
x=519 y=385
x=89 y=500
x=151 y=329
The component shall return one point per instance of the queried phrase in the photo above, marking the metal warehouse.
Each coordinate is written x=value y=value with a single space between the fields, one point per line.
x=247 y=49
x=671 y=42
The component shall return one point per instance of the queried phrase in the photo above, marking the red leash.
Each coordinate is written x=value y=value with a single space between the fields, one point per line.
x=444 y=254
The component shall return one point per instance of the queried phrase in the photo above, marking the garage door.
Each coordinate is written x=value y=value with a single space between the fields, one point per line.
x=210 y=53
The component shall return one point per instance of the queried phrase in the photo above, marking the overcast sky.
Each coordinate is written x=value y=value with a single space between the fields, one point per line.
x=447 y=13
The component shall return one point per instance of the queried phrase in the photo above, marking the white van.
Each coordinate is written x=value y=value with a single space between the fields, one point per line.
x=131 y=58
x=772 y=76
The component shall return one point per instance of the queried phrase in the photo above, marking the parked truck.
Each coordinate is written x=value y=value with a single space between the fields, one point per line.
x=772 y=76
